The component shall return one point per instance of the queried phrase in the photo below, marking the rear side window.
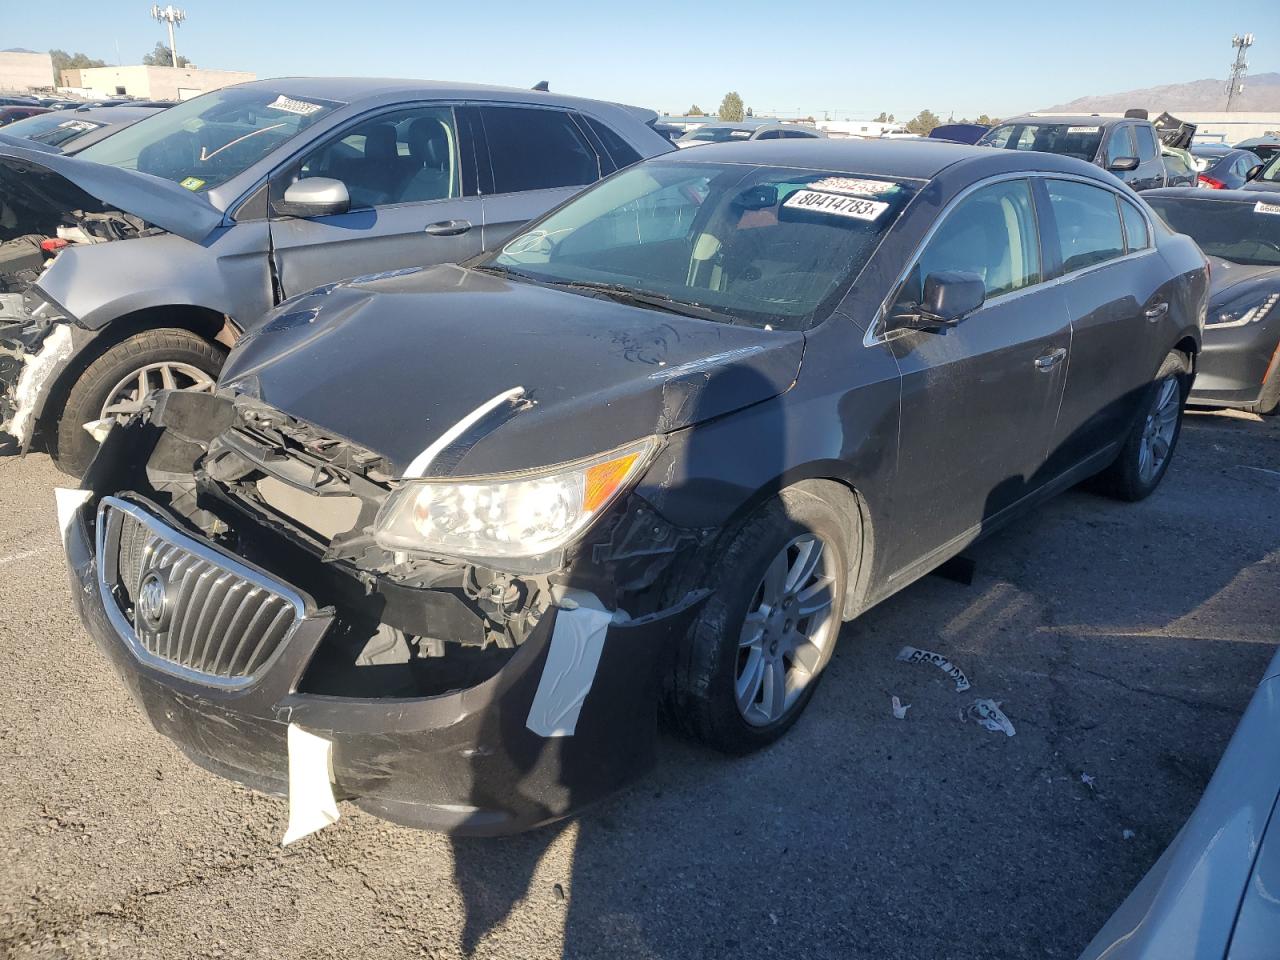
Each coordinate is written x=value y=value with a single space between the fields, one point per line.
x=1088 y=223
x=991 y=233
x=1136 y=234
x=624 y=155
x=1146 y=142
x=531 y=149
x=1120 y=144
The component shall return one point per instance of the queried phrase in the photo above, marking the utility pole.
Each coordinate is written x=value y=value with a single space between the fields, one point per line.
x=1242 y=43
x=174 y=17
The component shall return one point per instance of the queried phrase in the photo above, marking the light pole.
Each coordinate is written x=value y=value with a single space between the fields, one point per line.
x=1242 y=42
x=174 y=17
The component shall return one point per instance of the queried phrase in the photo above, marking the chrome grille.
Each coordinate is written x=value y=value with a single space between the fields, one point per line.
x=184 y=606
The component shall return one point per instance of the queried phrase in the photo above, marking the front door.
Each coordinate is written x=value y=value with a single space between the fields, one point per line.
x=979 y=399
x=406 y=173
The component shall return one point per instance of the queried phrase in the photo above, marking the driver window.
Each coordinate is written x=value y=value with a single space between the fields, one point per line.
x=991 y=233
x=408 y=156
x=1120 y=144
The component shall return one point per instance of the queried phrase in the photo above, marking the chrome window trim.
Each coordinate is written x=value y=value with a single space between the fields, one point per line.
x=875 y=335
x=124 y=629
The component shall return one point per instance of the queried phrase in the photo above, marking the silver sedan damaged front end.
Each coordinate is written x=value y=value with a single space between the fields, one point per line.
x=222 y=554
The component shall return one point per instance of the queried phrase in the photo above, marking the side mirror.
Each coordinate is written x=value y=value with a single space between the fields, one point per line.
x=314 y=197
x=1253 y=171
x=949 y=297
x=1123 y=164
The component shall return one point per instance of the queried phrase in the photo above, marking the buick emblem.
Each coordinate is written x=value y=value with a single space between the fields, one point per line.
x=152 y=601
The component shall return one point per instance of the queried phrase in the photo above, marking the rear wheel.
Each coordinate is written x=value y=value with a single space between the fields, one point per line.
x=1148 y=449
x=117 y=383
x=751 y=661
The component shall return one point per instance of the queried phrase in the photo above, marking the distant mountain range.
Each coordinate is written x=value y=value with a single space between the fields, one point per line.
x=1261 y=95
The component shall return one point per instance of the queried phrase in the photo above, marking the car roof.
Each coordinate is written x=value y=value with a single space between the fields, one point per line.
x=885 y=157
x=1195 y=193
x=353 y=89
x=1075 y=119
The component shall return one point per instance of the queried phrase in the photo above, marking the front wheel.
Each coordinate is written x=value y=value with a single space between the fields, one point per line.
x=1148 y=449
x=116 y=384
x=751 y=661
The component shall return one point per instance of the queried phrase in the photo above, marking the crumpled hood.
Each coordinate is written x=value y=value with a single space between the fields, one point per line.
x=392 y=363
x=1231 y=280
x=161 y=203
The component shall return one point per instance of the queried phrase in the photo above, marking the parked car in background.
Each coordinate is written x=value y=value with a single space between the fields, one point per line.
x=1224 y=168
x=70 y=132
x=1240 y=233
x=1267 y=179
x=747 y=130
x=1127 y=147
x=1211 y=895
x=249 y=195
x=1264 y=147
x=12 y=114
x=958 y=132
x=667 y=438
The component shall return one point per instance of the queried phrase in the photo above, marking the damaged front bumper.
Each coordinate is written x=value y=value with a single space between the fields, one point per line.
x=568 y=717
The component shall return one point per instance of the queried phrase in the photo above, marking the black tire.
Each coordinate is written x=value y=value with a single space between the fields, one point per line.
x=700 y=686
x=1124 y=479
x=74 y=447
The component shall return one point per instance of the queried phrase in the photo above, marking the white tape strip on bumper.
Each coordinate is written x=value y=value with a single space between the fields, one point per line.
x=311 y=803
x=576 y=645
x=68 y=501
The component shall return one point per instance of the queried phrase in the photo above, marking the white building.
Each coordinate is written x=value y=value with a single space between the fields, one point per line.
x=862 y=128
x=149 y=83
x=25 y=71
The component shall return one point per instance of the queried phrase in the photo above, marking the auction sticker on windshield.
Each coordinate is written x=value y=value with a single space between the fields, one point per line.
x=852 y=185
x=289 y=105
x=841 y=205
x=1083 y=129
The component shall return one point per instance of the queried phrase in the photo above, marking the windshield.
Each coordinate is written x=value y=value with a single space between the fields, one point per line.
x=765 y=246
x=717 y=134
x=208 y=140
x=1247 y=233
x=1070 y=140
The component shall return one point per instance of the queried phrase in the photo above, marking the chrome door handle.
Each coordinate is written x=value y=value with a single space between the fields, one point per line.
x=1051 y=360
x=1155 y=313
x=447 y=228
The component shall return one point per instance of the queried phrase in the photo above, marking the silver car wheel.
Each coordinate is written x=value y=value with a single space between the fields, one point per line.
x=788 y=631
x=1158 y=430
x=126 y=397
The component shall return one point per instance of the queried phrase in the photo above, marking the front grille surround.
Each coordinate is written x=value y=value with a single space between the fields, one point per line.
x=219 y=621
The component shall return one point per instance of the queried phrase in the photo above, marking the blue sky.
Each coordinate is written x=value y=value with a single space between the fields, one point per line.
x=998 y=57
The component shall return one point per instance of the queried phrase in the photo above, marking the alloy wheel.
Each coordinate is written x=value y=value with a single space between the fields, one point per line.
x=127 y=396
x=788 y=631
x=1159 y=429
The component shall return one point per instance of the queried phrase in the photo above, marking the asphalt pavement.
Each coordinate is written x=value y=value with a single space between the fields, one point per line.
x=1123 y=642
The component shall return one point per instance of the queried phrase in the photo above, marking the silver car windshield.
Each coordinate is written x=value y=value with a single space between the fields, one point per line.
x=210 y=139
x=766 y=246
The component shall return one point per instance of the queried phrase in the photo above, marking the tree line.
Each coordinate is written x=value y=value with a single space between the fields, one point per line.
x=732 y=110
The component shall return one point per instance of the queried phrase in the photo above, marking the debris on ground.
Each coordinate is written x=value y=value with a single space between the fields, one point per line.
x=912 y=655
x=1128 y=834
x=987 y=713
x=899 y=710
x=1088 y=781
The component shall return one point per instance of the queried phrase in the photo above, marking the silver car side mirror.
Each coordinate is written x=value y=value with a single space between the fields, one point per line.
x=314 y=197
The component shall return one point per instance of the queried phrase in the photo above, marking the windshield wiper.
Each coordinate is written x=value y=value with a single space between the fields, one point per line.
x=654 y=301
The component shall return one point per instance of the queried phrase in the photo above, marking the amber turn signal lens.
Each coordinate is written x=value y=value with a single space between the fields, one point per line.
x=603 y=480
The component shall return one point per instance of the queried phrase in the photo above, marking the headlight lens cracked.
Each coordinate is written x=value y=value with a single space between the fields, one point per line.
x=516 y=516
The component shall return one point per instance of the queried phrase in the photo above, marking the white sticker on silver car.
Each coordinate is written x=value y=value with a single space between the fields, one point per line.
x=835 y=203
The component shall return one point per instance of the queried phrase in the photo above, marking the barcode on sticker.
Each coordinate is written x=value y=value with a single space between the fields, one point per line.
x=1261 y=207
x=836 y=203
x=289 y=105
x=852 y=185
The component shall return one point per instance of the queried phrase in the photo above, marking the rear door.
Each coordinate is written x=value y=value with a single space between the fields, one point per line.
x=979 y=399
x=1117 y=290
x=537 y=157
x=411 y=177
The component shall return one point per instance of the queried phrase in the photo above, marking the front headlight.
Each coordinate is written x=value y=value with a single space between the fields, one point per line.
x=1244 y=311
x=513 y=516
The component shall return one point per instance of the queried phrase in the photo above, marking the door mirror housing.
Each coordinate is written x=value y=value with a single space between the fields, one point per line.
x=1252 y=172
x=1123 y=164
x=314 y=197
x=949 y=297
